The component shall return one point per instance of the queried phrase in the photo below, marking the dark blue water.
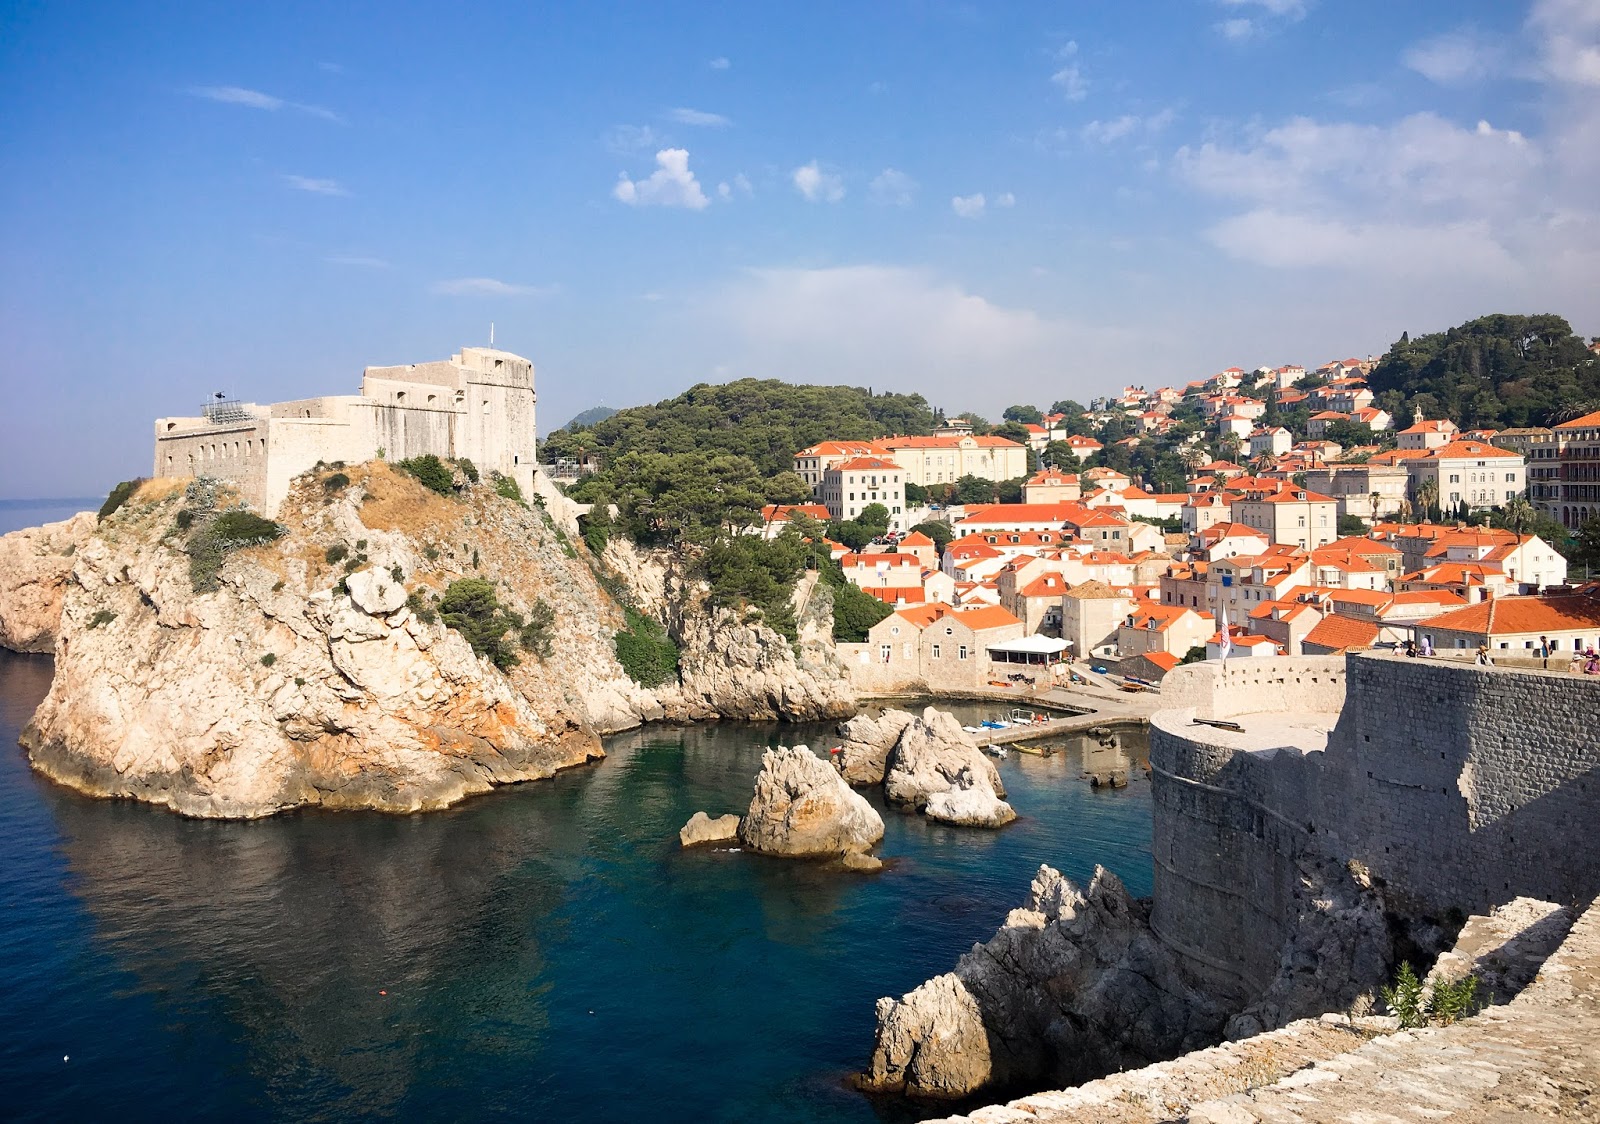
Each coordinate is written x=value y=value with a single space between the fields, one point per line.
x=546 y=951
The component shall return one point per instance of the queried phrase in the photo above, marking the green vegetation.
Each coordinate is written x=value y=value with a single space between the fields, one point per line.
x=645 y=651
x=538 y=632
x=1197 y=654
x=102 y=616
x=417 y=601
x=468 y=469
x=938 y=531
x=507 y=488
x=338 y=552
x=594 y=415
x=1352 y=525
x=120 y=495
x=470 y=606
x=269 y=659
x=596 y=530
x=431 y=472
x=209 y=541
x=1497 y=371
x=1448 y=1002
x=183 y=520
x=750 y=570
x=338 y=482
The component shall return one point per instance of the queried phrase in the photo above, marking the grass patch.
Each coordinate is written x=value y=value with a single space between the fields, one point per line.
x=336 y=553
x=507 y=488
x=102 y=616
x=209 y=542
x=336 y=483
x=268 y=660
x=417 y=601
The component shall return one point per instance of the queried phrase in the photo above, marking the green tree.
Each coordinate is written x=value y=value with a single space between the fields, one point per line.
x=1060 y=454
x=854 y=612
x=1587 y=544
x=1068 y=406
x=938 y=531
x=916 y=495
x=1026 y=414
x=974 y=490
x=470 y=606
x=875 y=518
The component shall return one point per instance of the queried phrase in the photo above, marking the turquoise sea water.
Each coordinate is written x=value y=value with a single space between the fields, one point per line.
x=545 y=952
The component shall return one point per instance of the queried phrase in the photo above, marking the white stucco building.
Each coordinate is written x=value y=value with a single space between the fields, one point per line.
x=478 y=404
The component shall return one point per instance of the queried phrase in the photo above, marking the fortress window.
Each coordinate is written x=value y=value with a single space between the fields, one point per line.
x=432 y=398
x=486 y=405
x=171 y=426
x=399 y=396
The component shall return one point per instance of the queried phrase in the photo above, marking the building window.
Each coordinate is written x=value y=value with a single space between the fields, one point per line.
x=961 y=652
x=884 y=651
x=936 y=651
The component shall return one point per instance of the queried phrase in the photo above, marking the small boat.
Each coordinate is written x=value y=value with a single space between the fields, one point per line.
x=999 y=751
x=995 y=724
x=973 y=729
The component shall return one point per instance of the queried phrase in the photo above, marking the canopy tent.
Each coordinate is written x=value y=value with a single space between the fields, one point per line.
x=1030 y=650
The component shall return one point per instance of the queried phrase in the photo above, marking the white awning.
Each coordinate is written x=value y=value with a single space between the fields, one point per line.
x=1035 y=645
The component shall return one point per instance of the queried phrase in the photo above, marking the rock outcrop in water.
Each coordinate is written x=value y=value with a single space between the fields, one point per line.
x=702 y=830
x=1073 y=985
x=925 y=762
x=35 y=565
x=803 y=808
x=311 y=671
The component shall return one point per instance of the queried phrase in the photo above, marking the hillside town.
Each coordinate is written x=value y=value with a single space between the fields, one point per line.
x=1309 y=521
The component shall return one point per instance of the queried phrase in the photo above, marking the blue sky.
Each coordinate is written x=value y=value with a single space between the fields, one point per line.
x=984 y=203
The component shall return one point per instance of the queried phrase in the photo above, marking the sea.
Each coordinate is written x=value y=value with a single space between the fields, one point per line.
x=545 y=952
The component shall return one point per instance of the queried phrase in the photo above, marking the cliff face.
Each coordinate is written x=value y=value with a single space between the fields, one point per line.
x=732 y=667
x=35 y=565
x=287 y=686
x=305 y=678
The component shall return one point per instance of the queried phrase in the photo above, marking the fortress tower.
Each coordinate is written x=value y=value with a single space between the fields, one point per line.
x=478 y=404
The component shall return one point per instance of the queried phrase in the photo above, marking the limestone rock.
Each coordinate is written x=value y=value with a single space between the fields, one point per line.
x=734 y=668
x=970 y=802
x=802 y=806
x=861 y=863
x=35 y=565
x=1074 y=985
x=930 y=756
x=865 y=744
x=274 y=691
x=702 y=829
x=375 y=593
x=1504 y=949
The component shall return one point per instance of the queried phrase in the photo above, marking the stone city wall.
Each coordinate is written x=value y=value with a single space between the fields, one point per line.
x=1458 y=787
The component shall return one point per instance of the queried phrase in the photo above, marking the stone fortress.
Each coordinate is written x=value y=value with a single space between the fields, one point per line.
x=478 y=404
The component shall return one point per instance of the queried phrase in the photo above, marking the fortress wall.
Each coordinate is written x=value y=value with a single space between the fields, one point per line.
x=1460 y=787
x=1467 y=786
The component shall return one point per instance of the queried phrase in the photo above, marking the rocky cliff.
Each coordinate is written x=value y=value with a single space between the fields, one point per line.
x=35 y=566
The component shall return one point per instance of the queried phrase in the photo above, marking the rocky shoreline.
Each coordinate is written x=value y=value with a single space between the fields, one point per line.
x=313 y=669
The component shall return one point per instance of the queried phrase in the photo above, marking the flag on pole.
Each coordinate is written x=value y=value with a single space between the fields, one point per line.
x=1227 y=640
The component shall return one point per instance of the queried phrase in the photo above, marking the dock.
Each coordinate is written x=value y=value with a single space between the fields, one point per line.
x=1057 y=727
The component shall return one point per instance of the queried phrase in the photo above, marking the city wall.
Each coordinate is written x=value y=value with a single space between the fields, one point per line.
x=1457 y=787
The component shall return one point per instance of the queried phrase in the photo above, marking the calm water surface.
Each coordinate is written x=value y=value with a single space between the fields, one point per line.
x=541 y=953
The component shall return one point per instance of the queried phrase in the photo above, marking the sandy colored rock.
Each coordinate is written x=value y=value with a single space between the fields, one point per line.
x=865 y=743
x=276 y=691
x=930 y=756
x=802 y=807
x=969 y=802
x=35 y=566
x=1074 y=984
x=702 y=830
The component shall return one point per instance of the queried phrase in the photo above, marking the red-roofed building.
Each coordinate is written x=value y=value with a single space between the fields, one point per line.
x=1051 y=485
x=931 y=648
x=775 y=517
x=1337 y=634
x=946 y=459
x=1474 y=473
x=812 y=462
x=1427 y=435
x=883 y=571
x=1579 y=482
x=852 y=485
x=1291 y=516
x=1515 y=624
x=1171 y=629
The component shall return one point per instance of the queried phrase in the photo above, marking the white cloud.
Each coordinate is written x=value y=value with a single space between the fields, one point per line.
x=897 y=327
x=817 y=185
x=255 y=99
x=698 y=117
x=238 y=95
x=1458 y=56
x=1005 y=199
x=1237 y=30
x=739 y=186
x=968 y=206
x=1074 y=86
x=719 y=63
x=315 y=186
x=1397 y=249
x=1569 y=31
x=489 y=287
x=1105 y=132
x=330 y=67
x=672 y=184
x=894 y=188
x=629 y=140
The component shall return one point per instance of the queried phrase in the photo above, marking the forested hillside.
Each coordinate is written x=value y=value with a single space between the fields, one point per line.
x=762 y=419
x=1496 y=371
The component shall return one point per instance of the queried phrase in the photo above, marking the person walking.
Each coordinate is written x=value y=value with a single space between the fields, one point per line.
x=1483 y=655
x=1544 y=652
